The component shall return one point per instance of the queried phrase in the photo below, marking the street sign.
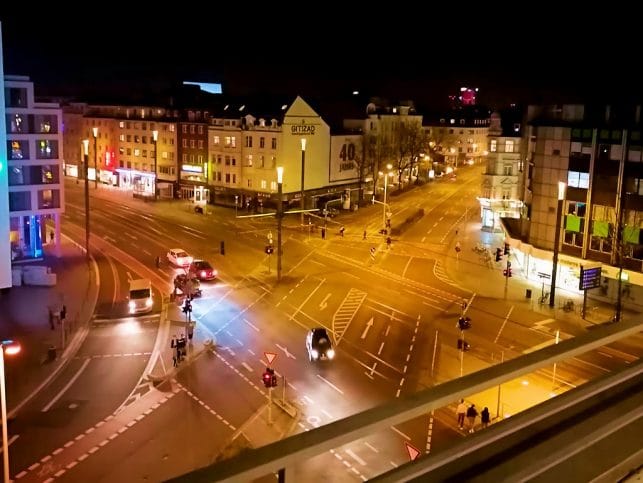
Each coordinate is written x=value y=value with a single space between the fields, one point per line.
x=589 y=278
x=412 y=451
x=270 y=356
x=544 y=275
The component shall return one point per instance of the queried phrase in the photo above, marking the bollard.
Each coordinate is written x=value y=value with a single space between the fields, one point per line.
x=51 y=353
x=222 y=249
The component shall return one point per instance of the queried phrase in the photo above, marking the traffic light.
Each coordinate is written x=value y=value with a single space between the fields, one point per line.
x=269 y=249
x=187 y=306
x=507 y=272
x=269 y=378
x=498 y=254
x=506 y=248
x=464 y=323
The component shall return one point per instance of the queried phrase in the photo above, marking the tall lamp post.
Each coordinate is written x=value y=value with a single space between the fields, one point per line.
x=389 y=166
x=559 y=214
x=155 y=138
x=280 y=212
x=85 y=171
x=303 y=162
x=95 y=133
x=10 y=348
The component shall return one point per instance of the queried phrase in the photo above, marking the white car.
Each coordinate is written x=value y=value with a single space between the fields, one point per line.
x=179 y=257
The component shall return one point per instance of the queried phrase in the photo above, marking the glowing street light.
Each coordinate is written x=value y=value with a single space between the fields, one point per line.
x=303 y=162
x=95 y=133
x=86 y=171
x=559 y=213
x=389 y=167
x=9 y=348
x=280 y=213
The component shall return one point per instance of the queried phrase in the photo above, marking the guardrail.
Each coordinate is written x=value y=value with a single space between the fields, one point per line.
x=287 y=452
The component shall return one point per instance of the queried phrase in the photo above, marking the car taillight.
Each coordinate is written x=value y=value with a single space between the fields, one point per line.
x=203 y=273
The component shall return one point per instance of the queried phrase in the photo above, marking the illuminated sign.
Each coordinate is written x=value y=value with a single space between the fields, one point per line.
x=302 y=129
x=191 y=168
x=589 y=278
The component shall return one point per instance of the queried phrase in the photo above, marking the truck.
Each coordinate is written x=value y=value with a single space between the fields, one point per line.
x=140 y=296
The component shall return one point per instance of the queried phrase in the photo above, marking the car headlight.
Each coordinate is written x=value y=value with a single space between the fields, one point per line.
x=314 y=354
x=149 y=302
x=132 y=305
x=330 y=353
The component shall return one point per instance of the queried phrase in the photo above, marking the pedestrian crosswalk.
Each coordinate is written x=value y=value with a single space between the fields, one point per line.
x=346 y=312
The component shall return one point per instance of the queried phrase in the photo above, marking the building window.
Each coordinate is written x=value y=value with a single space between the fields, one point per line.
x=577 y=179
x=234 y=161
x=249 y=160
x=509 y=146
x=248 y=141
x=200 y=129
x=273 y=185
x=185 y=143
x=18 y=149
x=227 y=178
x=121 y=124
x=200 y=143
x=264 y=184
x=234 y=178
x=137 y=152
x=493 y=145
x=121 y=137
x=47 y=149
x=274 y=143
x=262 y=142
x=185 y=158
x=185 y=129
x=508 y=170
x=215 y=140
x=200 y=159
x=192 y=129
x=19 y=200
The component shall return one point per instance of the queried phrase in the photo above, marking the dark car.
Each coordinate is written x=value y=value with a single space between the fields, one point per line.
x=202 y=270
x=319 y=346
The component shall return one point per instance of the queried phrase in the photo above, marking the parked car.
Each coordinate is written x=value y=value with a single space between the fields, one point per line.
x=318 y=345
x=202 y=270
x=179 y=257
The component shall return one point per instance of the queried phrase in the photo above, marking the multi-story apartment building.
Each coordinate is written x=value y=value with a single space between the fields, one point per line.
x=125 y=147
x=245 y=151
x=597 y=153
x=5 y=244
x=501 y=193
x=34 y=147
x=460 y=135
x=192 y=149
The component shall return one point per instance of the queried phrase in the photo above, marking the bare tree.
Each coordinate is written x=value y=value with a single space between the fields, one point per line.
x=408 y=141
x=377 y=152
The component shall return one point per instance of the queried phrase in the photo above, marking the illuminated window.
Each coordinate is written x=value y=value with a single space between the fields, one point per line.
x=493 y=145
x=121 y=137
x=577 y=179
x=172 y=127
x=121 y=124
x=137 y=152
x=264 y=184
x=273 y=185
x=509 y=146
x=215 y=140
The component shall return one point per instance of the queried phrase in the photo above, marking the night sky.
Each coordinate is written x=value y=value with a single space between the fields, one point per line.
x=112 y=56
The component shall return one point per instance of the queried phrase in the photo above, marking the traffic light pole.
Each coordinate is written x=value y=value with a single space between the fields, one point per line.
x=270 y=405
x=462 y=353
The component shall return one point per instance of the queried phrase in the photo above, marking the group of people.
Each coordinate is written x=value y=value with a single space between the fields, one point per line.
x=180 y=349
x=471 y=413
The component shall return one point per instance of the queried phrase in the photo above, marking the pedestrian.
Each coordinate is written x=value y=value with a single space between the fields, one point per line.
x=472 y=414
x=51 y=236
x=461 y=411
x=51 y=319
x=63 y=313
x=173 y=345
x=158 y=262
x=484 y=417
x=323 y=232
x=388 y=242
x=364 y=237
x=341 y=231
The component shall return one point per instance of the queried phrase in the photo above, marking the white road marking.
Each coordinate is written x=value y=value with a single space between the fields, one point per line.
x=11 y=440
x=369 y=324
x=380 y=350
x=371 y=447
x=406 y=267
x=327 y=414
x=355 y=457
x=67 y=386
x=251 y=325
x=285 y=350
x=504 y=322
x=247 y=367
x=331 y=384
x=400 y=433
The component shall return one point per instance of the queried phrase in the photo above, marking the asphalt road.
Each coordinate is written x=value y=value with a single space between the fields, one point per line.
x=393 y=319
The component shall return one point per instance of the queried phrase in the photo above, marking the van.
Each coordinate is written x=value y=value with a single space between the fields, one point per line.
x=140 y=296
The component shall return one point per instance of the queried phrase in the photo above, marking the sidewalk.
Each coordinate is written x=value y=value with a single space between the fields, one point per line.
x=25 y=311
x=469 y=269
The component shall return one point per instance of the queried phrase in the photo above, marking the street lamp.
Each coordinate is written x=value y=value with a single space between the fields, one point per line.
x=155 y=138
x=95 y=132
x=10 y=348
x=389 y=166
x=280 y=207
x=303 y=161
x=85 y=169
x=554 y=269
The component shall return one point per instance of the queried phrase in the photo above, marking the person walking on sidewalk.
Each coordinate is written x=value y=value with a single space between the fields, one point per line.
x=472 y=414
x=175 y=351
x=364 y=237
x=341 y=231
x=461 y=412
x=484 y=417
